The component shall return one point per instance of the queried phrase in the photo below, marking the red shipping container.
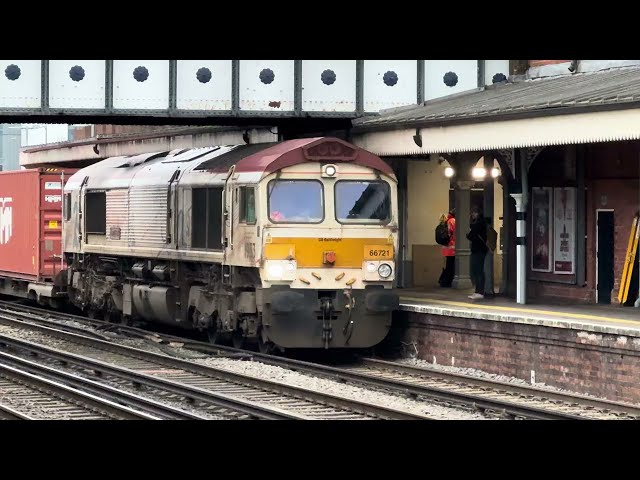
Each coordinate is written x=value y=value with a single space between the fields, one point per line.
x=31 y=223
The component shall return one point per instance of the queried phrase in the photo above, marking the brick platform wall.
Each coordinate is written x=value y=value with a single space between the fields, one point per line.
x=604 y=365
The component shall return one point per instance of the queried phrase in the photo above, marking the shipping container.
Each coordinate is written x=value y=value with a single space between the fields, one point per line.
x=31 y=223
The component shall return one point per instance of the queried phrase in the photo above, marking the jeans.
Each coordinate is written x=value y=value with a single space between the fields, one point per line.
x=488 y=277
x=477 y=271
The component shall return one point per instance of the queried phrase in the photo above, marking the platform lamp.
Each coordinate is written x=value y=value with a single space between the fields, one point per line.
x=480 y=173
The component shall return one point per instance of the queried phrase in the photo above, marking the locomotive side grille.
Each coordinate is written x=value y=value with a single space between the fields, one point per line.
x=147 y=216
x=117 y=215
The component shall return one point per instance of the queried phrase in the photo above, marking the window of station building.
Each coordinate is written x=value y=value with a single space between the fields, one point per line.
x=96 y=212
x=206 y=218
x=67 y=206
x=363 y=201
x=247 y=205
x=295 y=201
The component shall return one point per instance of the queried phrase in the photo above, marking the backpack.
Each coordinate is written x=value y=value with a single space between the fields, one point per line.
x=442 y=234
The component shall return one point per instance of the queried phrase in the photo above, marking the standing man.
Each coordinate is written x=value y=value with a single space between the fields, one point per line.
x=449 y=251
x=478 y=237
x=492 y=244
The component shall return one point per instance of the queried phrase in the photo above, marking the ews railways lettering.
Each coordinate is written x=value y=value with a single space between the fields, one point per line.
x=6 y=222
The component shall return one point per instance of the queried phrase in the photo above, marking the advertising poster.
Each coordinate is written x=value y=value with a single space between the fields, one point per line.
x=564 y=206
x=542 y=224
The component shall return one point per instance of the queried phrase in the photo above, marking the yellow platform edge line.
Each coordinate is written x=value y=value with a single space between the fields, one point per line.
x=521 y=310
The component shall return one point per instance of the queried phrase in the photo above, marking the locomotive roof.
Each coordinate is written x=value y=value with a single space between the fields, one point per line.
x=261 y=159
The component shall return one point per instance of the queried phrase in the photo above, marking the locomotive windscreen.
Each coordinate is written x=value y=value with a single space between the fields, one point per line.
x=363 y=201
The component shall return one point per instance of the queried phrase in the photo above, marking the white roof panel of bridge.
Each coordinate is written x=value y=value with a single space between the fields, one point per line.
x=73 y=89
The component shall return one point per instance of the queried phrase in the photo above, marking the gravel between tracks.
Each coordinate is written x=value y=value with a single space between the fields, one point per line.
x=270 y=372
x=279 y=374
x=8 y=398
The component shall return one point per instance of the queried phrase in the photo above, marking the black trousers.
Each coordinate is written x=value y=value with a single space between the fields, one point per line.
x=477 y=271
x=446 y=279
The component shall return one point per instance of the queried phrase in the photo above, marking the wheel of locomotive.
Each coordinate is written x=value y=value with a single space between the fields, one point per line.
x=218 y=338
x=214 y=335
x=92 y=313
x=112 y=317
x=268 y=348
x=238 y=339
x=265 y=346
x=110 y=313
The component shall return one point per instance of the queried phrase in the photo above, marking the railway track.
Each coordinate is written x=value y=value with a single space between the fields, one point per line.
x=29 y=392
x=495 y=398
x=515 y=401
x=205 y=388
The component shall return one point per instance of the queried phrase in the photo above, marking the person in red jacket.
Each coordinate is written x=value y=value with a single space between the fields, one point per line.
x=449 y=252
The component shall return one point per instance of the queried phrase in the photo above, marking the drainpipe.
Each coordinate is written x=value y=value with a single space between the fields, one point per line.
x=522 y=201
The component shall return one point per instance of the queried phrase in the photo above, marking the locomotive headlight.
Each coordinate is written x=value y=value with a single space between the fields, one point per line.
x=384 y=270
x=329 y=171
x=371 y=267
x=275 y=270
x=280 y=270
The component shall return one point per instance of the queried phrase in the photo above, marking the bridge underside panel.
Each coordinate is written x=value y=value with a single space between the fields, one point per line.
x=182 y=91
x=77 y=84
x=204 y=85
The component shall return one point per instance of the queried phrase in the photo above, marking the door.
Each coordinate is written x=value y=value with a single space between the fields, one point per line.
x=604 y=255
x=50 y=255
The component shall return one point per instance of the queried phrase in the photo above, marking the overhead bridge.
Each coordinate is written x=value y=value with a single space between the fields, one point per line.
x=226 y=91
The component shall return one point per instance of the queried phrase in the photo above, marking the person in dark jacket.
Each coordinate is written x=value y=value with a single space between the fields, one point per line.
x=478 y=237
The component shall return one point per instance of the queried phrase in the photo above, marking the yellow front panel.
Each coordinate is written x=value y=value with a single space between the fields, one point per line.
x=279 y=251
x=350 y=252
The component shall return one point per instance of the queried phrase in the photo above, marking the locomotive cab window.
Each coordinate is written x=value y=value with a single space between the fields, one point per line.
x=206 y=219
x=96 y=212
x=247 y=205
x=295 y=201
x=363 y=201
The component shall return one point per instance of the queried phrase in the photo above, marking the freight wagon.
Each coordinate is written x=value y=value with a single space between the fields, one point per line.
x=31 y=260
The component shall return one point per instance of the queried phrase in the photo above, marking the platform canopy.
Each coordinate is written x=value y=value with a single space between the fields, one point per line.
x=570 y=109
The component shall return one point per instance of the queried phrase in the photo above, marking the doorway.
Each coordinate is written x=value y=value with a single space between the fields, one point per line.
x=604 y=255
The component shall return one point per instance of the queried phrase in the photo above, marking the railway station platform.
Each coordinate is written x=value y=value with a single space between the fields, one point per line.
x=454 y=303
x=589 y=349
